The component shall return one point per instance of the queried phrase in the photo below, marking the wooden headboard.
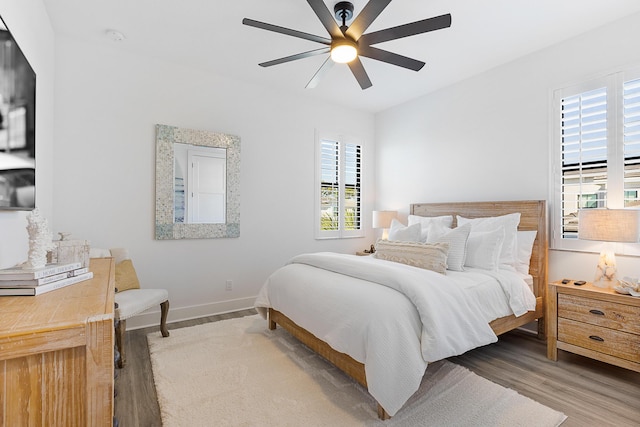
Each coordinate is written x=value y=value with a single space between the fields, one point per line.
x=533 y=216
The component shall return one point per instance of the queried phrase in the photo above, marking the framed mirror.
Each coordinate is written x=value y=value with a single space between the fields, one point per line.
x=197 y=184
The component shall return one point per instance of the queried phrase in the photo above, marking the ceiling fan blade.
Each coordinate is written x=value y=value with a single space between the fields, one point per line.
x=286 y=31
x=359 y=73
x=418 y=27
x=326 y=66
x=390 y=58
x=326 y=18
x=296 y=56
x=364 y=19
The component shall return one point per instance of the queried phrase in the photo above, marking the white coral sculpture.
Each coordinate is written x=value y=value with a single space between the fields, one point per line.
x=40 y=240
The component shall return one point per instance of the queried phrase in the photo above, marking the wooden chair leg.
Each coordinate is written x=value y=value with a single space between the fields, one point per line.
x=272 y=324
x=164 y=311
x=120 y=330
x=382 y=414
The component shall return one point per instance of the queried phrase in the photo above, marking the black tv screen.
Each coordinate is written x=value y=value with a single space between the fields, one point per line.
x=17 y=126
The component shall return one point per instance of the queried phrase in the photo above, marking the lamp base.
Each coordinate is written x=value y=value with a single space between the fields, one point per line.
x=605 y=284
x=606 y=271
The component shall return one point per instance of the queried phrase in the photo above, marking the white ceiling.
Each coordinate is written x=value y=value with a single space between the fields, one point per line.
x=209 y=34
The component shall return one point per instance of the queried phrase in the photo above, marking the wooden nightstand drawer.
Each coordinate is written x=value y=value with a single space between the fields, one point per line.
x=604 y=340
x=602 y=313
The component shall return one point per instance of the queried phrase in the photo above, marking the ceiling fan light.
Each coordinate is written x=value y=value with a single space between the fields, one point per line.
x=343 y=53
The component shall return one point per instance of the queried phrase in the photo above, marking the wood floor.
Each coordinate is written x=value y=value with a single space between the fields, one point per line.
x=589 y=392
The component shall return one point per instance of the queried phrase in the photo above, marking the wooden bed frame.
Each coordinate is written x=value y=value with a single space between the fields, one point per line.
x=533 y=217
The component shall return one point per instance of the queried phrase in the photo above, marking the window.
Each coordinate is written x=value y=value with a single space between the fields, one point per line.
x=338 y=187
x=596 y=150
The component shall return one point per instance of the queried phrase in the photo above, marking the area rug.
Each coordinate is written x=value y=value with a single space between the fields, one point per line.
x=238 y=373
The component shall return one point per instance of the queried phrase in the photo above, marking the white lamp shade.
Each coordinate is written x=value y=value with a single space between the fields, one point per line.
x=609 y=225
x=382 y=219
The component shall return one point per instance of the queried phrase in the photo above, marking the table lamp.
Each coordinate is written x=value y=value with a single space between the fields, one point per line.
x=608 y=225
x=382 y=219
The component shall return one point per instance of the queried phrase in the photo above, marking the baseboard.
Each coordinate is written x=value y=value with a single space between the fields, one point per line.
x=151 y=317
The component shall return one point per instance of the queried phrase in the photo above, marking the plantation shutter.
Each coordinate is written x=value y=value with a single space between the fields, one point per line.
x=338 y=187
x=329 y=185
x=631 y=138
x=584 y=156
x=351 y=210
x=596 y=154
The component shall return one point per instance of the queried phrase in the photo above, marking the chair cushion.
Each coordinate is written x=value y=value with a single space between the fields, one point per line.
x=136 y=301
x=126 y=277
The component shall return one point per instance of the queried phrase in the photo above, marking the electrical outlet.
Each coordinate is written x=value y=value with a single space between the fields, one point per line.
x=229 y=285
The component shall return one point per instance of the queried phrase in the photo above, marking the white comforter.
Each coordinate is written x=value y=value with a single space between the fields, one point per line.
x=417 y=316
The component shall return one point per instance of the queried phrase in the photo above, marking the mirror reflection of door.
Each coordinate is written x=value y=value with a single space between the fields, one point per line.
x=200 y=175
x=206 y=186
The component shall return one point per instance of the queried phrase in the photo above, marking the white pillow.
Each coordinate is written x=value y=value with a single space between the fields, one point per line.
x=424 y=221
x=399 y=233
x=483 y=249
x=457 y=240
x=525 y=246
x=509 y=246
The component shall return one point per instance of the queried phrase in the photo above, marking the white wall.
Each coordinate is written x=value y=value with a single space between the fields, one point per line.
x=29 y=24
x=487 y=138
x=107 y=103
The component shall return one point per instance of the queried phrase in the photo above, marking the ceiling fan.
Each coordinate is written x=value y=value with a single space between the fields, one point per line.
x=348 y=43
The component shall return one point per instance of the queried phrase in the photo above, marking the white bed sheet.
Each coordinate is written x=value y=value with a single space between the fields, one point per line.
x=378 y=325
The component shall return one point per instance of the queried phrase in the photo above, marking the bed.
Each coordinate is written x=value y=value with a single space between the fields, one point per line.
x=368 y=317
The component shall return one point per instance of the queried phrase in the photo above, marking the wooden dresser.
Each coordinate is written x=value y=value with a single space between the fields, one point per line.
x=56 y=354
x=593 y=322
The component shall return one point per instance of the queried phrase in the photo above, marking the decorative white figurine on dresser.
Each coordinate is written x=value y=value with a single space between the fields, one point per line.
x=39 y=240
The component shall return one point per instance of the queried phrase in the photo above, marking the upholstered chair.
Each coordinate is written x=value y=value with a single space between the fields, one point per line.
x=130 y=298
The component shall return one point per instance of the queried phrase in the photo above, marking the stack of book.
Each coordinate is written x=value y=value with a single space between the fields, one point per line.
x=22 y=281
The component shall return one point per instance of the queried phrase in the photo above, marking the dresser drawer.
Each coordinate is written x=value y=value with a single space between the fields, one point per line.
x=602 y=313
x=604 y=340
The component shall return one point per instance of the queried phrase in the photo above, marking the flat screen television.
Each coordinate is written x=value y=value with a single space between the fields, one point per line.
x=17 y=126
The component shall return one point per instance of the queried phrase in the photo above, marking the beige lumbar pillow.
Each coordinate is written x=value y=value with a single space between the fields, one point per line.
x=126 y=277
x=430 y=256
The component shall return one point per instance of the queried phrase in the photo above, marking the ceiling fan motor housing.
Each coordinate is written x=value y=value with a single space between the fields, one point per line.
x=343 y=11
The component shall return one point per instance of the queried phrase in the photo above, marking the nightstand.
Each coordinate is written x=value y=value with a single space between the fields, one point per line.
x=593 y=322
